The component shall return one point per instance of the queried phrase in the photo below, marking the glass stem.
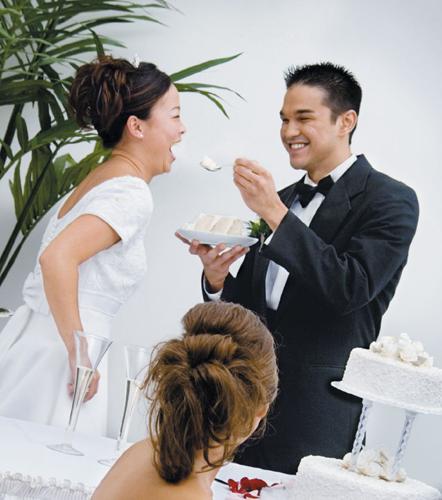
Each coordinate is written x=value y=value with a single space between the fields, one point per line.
x=68 y=433
x=132 y=395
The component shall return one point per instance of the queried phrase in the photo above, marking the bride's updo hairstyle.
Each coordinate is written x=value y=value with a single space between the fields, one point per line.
x=107 y=91
x=207 y=387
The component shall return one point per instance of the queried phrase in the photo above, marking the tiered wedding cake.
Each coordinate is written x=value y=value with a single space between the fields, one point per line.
x=394 y=372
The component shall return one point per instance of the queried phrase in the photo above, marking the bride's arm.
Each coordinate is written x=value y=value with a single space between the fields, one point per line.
x=82 y=239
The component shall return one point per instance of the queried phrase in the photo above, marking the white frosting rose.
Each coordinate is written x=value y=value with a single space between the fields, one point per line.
x=408 y=353
x=346 y=461
x=424 y=359
x=402 y=349
x=373 y=463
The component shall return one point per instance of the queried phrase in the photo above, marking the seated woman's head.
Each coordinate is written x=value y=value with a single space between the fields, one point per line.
x=210 y=388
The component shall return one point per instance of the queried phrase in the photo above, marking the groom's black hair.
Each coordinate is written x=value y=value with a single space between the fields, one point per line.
x=342 y=89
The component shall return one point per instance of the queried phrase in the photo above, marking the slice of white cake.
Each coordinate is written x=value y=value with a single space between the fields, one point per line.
x=204 y=223
x=222 y=225
x=219 y=224
x=237 y=228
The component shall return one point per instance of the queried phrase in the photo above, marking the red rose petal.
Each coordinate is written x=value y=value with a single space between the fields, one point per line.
x=249 y=488
x=233 y=485
x=258 y=484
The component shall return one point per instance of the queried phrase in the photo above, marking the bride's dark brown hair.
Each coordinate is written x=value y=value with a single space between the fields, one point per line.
x=107 y=91
x=207 y=387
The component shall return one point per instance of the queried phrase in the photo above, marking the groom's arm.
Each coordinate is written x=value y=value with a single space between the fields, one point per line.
x=348 y=280
x=345 y=281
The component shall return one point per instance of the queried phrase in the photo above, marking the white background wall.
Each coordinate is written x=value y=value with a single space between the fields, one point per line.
x=394 y=49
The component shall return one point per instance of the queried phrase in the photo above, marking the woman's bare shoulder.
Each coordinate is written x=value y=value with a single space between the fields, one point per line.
x=131 y=476
x=134 y=477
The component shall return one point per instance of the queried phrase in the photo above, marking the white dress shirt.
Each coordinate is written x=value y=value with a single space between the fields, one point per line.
x=276 y=277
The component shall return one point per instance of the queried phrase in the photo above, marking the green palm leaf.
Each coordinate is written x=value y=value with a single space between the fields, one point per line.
x=24 y=91
x=197 y=86
x=38 y=39
x=22 y=132
x=63 y=130
x=210 y=95
x=175 y=77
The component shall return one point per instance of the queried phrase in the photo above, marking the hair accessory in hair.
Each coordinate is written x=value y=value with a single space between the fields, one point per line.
x=135 y=60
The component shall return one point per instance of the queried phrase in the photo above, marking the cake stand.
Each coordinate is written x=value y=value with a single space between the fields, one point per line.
x=411 y=412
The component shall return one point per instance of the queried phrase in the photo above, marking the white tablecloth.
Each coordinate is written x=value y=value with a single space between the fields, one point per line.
x=27 y=464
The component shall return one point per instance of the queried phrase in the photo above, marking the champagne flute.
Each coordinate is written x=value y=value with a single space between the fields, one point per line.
x=137 y=360
x=89 y=351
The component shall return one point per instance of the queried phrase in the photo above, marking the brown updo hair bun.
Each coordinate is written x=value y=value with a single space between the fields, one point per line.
x=107 y=91
x=207 y=387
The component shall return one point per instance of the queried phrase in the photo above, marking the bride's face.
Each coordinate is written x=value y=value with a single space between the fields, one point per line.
x=162 y=130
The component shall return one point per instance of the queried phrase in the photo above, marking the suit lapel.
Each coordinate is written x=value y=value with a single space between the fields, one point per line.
x=331 y=213
x=337 y=204
x=288 y=195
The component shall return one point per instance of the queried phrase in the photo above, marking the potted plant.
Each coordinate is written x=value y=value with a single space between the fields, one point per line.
x=40 y=42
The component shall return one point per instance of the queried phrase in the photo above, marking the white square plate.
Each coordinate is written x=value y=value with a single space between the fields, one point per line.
x=215 y=238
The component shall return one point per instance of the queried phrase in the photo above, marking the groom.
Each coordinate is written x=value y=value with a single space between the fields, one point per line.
x=324 y=278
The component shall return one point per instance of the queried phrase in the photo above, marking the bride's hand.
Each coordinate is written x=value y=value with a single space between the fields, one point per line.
x=93 y=386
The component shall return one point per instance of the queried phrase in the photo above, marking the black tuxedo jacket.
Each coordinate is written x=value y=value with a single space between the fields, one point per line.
x=344 y=269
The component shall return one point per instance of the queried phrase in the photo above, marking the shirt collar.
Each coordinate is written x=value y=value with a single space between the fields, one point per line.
x=337 y=172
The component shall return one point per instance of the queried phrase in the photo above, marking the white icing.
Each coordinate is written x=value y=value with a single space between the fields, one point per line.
x=218 y=224
x=374 y=463
x=384 y=379
x=209 y=164
x=397 y=372
x=321 y=478
x=402 y=349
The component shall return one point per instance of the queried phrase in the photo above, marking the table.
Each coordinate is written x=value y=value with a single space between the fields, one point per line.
x=28 y=467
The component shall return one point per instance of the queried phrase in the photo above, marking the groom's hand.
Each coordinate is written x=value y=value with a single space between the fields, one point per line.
x=258 y=191
x=216 y=260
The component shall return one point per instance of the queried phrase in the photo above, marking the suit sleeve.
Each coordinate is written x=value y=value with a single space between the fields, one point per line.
x=239 y=290
x=347 y=281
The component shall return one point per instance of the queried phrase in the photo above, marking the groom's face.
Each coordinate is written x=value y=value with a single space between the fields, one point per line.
x=308 y=132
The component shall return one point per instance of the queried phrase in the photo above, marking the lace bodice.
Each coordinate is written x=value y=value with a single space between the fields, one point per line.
x=108 y=278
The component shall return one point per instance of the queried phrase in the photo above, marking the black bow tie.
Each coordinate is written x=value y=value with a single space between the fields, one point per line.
x=306 y=193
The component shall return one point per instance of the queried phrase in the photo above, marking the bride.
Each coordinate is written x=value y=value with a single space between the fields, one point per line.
x=209 y=391
x=92 y=255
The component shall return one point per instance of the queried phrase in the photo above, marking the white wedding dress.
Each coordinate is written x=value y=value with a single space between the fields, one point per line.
x=34 y=369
